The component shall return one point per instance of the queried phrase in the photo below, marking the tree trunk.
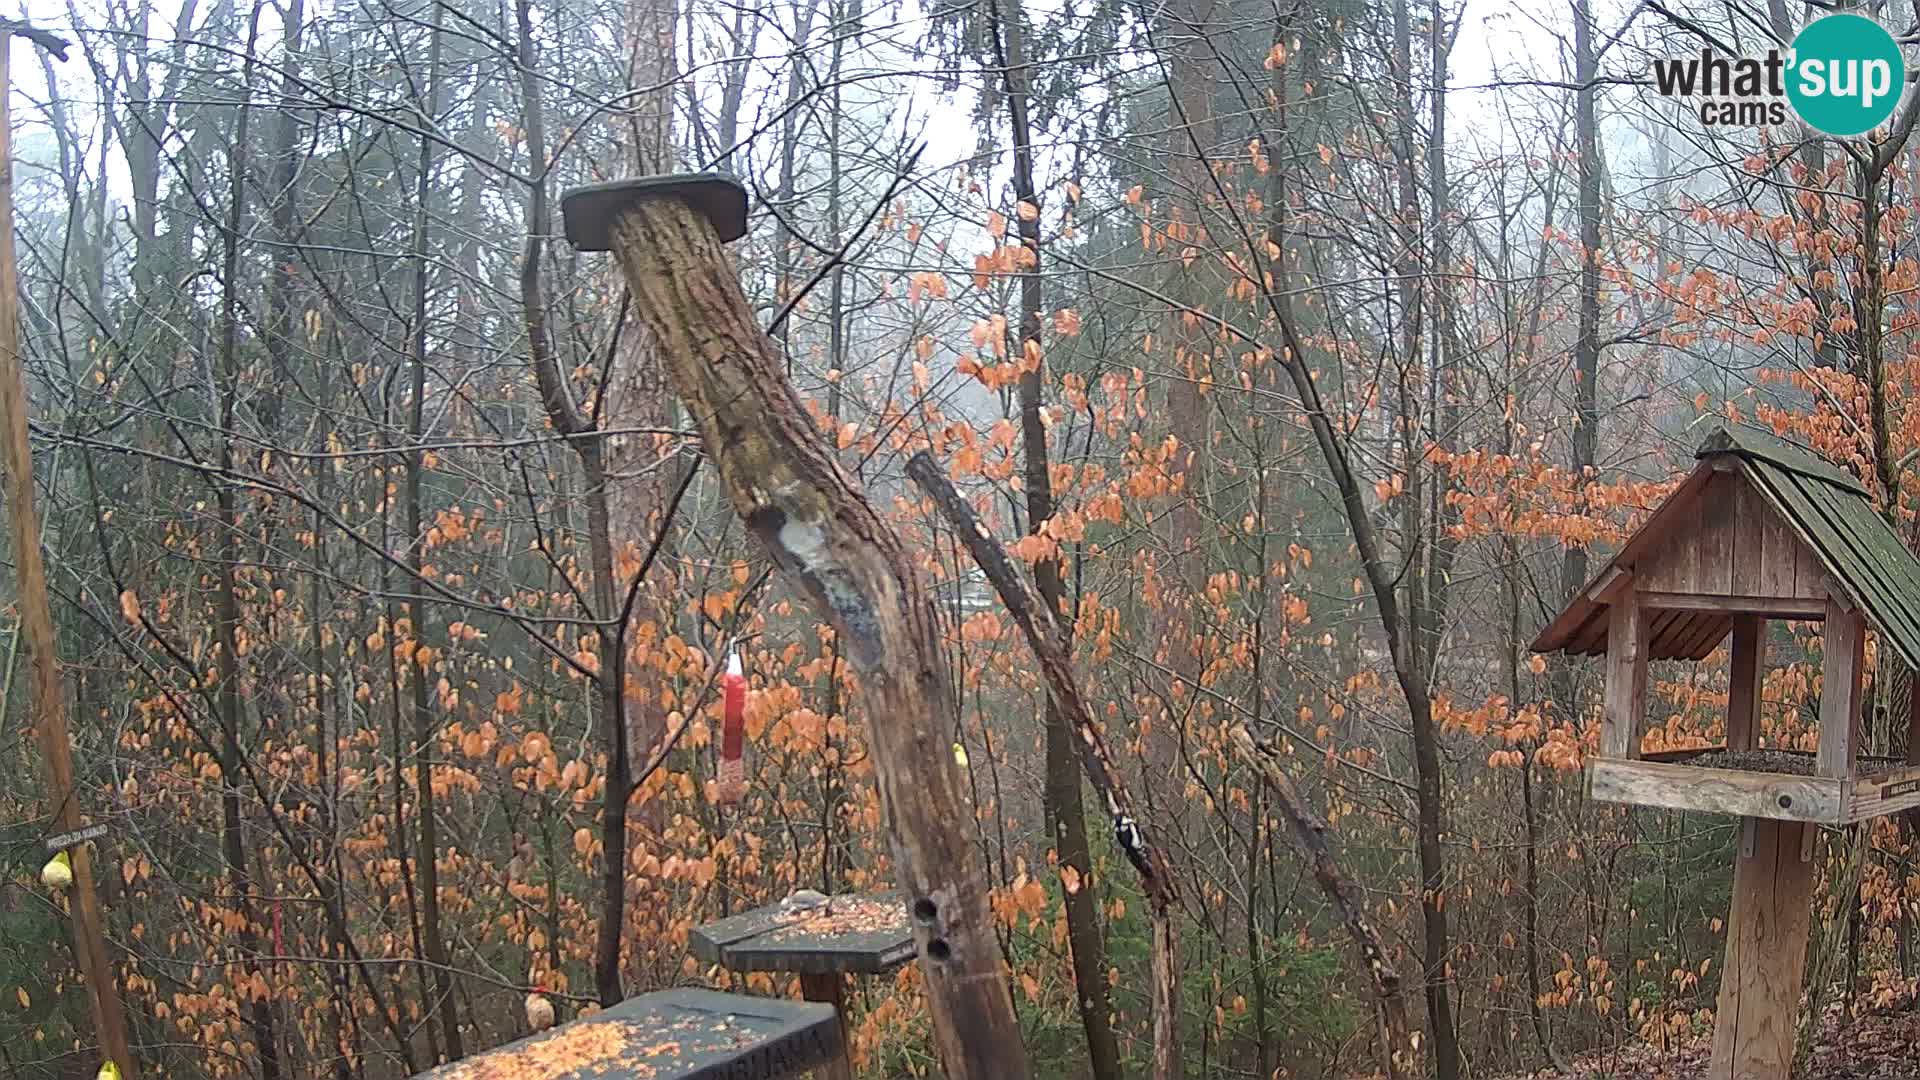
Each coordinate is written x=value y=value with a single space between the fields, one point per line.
x=422 y=751
x=1066 y=819
x=1414 y=629
x=36 y=627
x=1586 y=344
x=344 y=1035
x=227 y=601
x=820 y=530
x=636 y=475
x=593 y=449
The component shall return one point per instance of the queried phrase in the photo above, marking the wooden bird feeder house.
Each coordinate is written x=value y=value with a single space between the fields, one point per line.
x=1761 y=529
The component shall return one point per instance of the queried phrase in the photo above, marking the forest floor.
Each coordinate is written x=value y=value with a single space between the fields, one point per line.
x=1882 y=1046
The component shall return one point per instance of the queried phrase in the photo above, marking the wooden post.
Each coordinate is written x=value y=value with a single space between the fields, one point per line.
x=1743 y=689
x=1757 y=1017
x=1626 y=704
x=1842 y=656
x=1755 y=1022
x=830 y=987
x=788 y=487
x=36 y=609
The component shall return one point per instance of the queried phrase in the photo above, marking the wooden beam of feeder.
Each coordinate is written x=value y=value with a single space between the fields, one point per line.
x=1040 y=626
x=1842 y=663
x=36 y=611
x=820 y=530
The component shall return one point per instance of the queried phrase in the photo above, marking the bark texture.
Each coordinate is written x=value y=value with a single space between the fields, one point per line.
x=820 y=530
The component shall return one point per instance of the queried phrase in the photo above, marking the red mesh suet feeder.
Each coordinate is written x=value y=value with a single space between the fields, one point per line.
x=730 y=779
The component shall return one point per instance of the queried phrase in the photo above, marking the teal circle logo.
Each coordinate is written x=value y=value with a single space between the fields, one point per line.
x=1846 y=75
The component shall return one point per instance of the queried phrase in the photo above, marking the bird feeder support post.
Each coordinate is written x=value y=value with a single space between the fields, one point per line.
x=830 y=988
x=36 y=609
x=1842 y=658
x=813 y=520
x=1757 y=1016
x=1748 y=667
x=1626 y=701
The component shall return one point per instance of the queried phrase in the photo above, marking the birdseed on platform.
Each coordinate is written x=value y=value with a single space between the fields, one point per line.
x=1766 y=761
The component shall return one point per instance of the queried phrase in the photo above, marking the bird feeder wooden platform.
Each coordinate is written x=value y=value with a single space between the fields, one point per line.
x=858 y=935
x=1761 y=529
x=669 y=1035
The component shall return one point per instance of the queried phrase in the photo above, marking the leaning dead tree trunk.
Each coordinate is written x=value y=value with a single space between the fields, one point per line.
x=1400 y=1046
x=820 y=530
x=1044 y=636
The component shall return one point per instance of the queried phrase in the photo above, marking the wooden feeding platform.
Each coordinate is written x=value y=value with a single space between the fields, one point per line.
x=1782 y=785
x=845 y=935
x=1761 y=529
x=669 y=1035
x=862 y=934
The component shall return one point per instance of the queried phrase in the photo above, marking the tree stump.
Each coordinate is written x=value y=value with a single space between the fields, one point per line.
x=788 y=487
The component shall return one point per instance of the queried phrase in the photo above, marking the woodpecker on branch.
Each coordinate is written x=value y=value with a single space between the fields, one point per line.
x=1128 y=836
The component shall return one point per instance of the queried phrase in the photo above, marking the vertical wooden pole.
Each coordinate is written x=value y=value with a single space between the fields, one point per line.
x=1743 y=690
x=1757 y=1017
x=1842 y=655
x=1755 y=1022
x=36 y=621
x=1913 y=718
x=830 y=987
x=1626 y=705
